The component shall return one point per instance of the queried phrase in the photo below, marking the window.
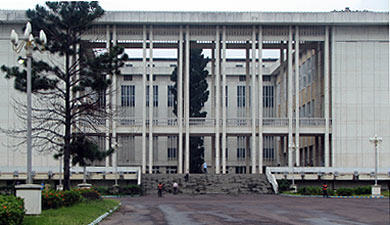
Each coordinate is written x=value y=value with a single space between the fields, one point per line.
x=226 y=96
x=239 y=65
x=241 y=148
x=155 y=148
x=172 y=147
x=266 y=78
x=147 y=77
x=128 y=96
x=226 y=153
x=102 y=99
x=242 y=78
x=170 y=96
x=155 y=96
x=127 y=77
x=171 y=169
x=268 y=96
x=240 y=96
x=129 y=65
x=240 y=169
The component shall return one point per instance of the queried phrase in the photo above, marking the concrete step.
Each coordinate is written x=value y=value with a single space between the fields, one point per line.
x=208 y=183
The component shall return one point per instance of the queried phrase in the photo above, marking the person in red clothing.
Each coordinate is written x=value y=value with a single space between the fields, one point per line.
x=160 y=188
x=325 y=191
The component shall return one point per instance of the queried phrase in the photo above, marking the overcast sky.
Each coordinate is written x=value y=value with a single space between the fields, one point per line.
x=225 y=5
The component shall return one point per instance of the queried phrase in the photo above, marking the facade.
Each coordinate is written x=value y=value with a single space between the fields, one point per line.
x=316 y=104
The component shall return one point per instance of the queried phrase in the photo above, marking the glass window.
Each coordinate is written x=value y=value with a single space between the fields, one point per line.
x=128 y=96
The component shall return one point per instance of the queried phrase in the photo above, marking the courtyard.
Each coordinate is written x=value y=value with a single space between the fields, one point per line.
x=248 y=209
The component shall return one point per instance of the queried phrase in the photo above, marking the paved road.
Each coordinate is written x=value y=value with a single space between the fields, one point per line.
x=248 y=209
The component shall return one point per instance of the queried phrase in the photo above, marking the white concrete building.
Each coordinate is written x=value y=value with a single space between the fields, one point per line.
x=342 y=59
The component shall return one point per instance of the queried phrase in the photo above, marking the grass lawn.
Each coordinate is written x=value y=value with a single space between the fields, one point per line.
x=81 y=213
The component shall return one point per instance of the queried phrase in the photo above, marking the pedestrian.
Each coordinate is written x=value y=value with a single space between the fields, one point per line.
x=175 y=187
x=160 y=189
x=204 y=167
x=325 y=191
x=186 y=177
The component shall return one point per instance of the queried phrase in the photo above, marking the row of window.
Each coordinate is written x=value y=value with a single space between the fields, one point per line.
x=128 y=96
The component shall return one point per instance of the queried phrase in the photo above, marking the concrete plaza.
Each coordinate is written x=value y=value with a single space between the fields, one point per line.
x=248 y=209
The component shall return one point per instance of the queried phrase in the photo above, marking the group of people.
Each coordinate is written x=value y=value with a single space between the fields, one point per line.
x=160 y=188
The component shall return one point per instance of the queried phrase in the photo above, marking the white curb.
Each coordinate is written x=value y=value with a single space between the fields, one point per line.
x=100 y=218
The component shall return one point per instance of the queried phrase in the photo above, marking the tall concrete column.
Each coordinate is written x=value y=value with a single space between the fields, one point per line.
x=260 y=96
x=331 y=115
x=114 y=94
x=180 y=101
x=326 y=96
x=107 y=96
x=223 y=70
x=187 y=101
x=144 y=99
x=253 y=97
x=290 y=98
x=151 y=99
x=297 y=94
x=217 y=101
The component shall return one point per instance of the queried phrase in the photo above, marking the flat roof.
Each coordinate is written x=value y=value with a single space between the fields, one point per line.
x=227 y=18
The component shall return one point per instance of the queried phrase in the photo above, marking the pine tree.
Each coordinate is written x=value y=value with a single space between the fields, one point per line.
x=68 y=98
x=198 y=96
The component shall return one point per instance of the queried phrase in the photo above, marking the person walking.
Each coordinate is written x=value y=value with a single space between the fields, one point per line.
x=160 y=188
x=325 y=191
x=175 y=188
x=204 y=167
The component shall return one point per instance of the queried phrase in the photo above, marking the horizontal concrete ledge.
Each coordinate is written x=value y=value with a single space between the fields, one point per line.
x=226 y=18
x=28 y=187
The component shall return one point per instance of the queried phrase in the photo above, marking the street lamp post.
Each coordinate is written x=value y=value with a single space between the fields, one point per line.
x=31 y=193
x=293 y=148
x=28 y=42
x=376 y=141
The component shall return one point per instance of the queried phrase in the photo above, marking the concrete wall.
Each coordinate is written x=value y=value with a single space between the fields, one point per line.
x=360 y=95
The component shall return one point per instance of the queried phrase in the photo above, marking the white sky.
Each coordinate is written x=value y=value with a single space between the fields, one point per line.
x=225 y=5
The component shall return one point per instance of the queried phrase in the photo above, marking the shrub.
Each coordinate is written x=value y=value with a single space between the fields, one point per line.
x=11 y=210
x=365 y=190
x=284 y=185
x=89 y=194
x=55 y=199
x=103 y=190
x=130 y=190
x=310 y=190
x=344 y=191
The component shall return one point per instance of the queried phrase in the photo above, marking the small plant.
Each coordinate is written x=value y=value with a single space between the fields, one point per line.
x=344 y=191
x=11 y=210
x=365 y=190
x=55 y=199
x=284 y=185
x=89 y=194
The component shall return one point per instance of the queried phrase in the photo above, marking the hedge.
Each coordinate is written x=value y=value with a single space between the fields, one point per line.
x=11 y=210
x=54 y=199
x=342 y=191
x=131 y=189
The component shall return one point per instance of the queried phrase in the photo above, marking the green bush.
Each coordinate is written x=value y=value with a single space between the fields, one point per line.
x=284 y=185
x=12 y=210
x=89 y=194
x=55 y=199
x=364 y=190
x=310 y=190
x=103 y=190
x=344 y=191
x=130 y=190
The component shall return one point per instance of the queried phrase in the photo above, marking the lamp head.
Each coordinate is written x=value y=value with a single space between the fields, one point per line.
x=28 y=30
x=42 y=37
x=14 y=37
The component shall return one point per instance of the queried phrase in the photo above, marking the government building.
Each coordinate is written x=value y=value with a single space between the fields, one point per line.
x=286 y=90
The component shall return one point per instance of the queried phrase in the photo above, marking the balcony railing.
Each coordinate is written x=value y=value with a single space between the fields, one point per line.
x=231 y=122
